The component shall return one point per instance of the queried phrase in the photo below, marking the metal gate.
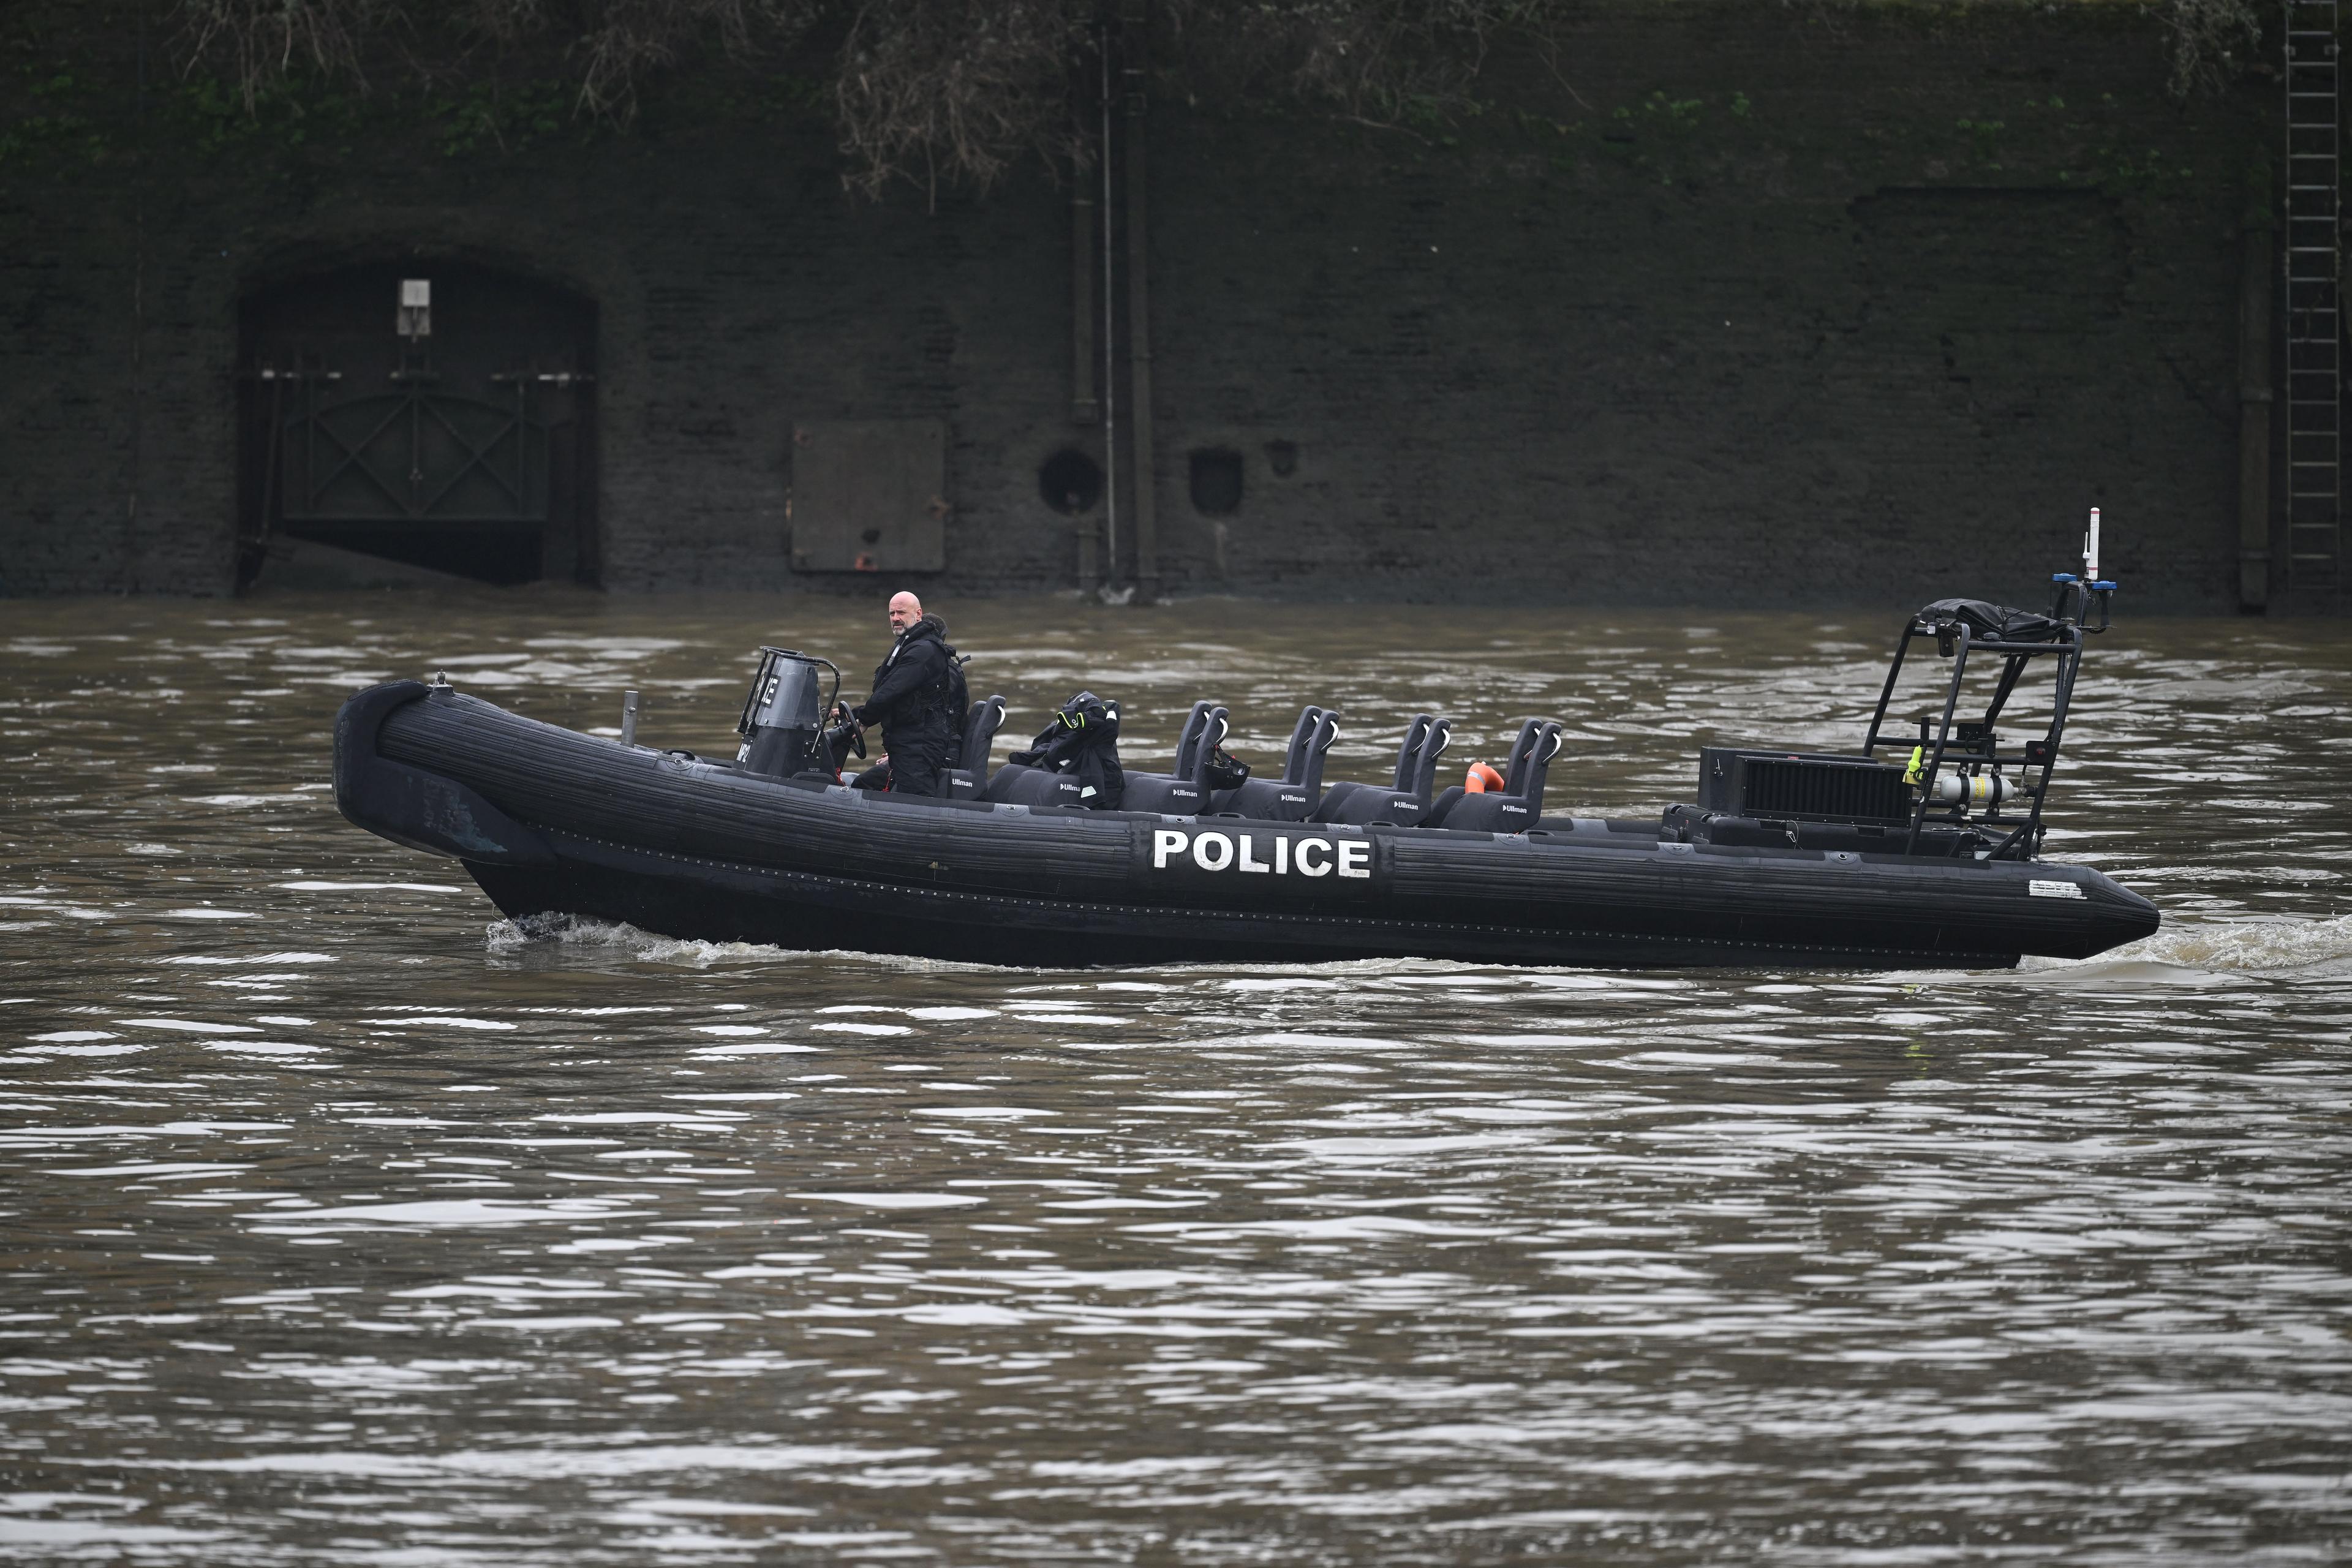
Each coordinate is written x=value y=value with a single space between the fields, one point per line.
x=466 y=448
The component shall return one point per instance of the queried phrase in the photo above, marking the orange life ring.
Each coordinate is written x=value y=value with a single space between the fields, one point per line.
x=1482 y=779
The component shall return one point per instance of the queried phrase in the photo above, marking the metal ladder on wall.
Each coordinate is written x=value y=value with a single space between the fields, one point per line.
x=2315 y=321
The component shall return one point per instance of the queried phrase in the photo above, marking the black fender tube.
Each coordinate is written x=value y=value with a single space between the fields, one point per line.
x=410 y=807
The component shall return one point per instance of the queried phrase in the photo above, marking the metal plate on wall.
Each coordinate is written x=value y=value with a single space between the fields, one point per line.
x=869 y=494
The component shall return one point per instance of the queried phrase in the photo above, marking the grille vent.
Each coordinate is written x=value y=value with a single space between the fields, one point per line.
x=1815 y=788
x=1834 y=792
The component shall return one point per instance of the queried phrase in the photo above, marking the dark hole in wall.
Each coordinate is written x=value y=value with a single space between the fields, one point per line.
x=469 y=448
x=1070 y=482
x=1282 y=457
x=503 y=556
x=1216 y=482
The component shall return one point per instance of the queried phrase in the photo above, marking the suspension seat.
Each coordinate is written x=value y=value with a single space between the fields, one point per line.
x=1293 y=795
x=980 y=723
x=1190 y=794
x=1403 y=803
x=1015 y=783
x=1521 y=804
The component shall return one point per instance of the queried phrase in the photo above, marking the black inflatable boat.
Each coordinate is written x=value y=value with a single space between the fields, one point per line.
x=1911 y=852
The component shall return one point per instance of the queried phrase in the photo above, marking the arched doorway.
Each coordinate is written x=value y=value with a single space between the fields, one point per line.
x=441 y=414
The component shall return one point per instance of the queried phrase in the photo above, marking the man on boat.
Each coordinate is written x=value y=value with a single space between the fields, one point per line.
x=914 y=691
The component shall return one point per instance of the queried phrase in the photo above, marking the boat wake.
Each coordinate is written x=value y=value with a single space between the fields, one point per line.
x=584 y=937
x=552 y=934
x=2202 y=952
x=2284 y=948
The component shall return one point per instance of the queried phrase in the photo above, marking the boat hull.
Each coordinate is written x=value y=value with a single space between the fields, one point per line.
x=551 y=821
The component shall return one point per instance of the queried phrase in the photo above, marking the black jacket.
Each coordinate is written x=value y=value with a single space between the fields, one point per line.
x=1083 y=742
x=911 y=692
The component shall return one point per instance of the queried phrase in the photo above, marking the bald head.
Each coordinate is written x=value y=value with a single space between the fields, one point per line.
x=904 y=611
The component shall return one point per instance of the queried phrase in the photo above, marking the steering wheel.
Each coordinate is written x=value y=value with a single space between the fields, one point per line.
x=849 y=730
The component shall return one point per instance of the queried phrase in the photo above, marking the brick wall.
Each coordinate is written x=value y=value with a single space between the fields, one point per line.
x=1744 y=303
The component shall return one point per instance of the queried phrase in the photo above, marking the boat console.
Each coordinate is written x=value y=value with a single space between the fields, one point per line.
x=783 y=721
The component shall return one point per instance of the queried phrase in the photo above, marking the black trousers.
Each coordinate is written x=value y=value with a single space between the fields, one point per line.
x=913 y=770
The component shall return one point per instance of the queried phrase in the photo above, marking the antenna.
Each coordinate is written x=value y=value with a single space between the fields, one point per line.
x=2091 y=550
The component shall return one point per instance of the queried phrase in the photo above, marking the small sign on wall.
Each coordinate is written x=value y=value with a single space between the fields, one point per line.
x=415 y=319
x=869 y=494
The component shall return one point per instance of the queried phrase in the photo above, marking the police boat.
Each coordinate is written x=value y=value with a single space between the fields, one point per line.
x=1921 y=849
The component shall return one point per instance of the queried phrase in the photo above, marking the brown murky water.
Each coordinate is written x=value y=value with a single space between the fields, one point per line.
x=344 y=1225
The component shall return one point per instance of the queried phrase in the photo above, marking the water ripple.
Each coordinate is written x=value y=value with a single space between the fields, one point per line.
x=346 y=1229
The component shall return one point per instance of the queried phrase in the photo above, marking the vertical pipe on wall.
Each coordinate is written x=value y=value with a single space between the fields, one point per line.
x=1110 y=343
x=1136 y=36
x=1082 y=302
x=130 y=554
x=589 y=566
x=2254 y=395
x=1083 y=407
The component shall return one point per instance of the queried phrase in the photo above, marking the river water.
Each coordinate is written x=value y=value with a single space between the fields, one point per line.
x=347 y=1223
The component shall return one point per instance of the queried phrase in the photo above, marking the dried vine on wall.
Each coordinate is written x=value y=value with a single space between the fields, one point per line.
x=957 y=90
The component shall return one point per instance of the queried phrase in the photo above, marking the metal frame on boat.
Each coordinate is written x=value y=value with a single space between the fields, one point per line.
x=2063 y=630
